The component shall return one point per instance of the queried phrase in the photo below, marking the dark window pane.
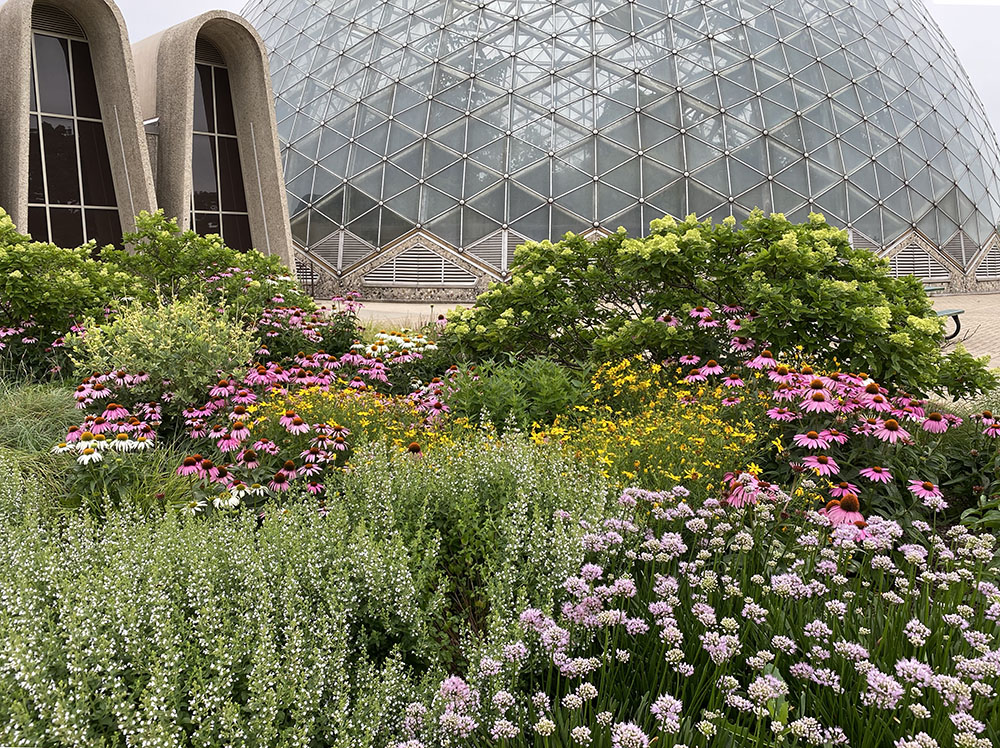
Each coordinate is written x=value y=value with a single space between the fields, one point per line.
x=104 y=226
x=32 y=105
x=87 y=103
x=67 y=226
x=98 y=184
x=61 y=169
x=205 y=183
x=207 y=223
x=225 y=119
x=38 y=225
x=236 y=232
x=231 y=176
x=36 y=185
x=204 y=115
x=52 y=58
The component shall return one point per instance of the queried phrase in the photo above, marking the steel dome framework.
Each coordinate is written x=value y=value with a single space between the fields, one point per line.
x=423 y=140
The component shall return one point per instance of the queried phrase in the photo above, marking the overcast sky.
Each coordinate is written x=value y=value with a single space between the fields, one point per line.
x=970 y=26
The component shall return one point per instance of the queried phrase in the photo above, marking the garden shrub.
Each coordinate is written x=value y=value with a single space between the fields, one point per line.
x=791 y=287
x=45 y=291
x=175 y=264
x=179 y=346
x=517 y=394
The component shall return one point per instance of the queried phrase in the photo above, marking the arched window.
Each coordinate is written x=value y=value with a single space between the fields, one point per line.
x=71 y=191
x=218 y=199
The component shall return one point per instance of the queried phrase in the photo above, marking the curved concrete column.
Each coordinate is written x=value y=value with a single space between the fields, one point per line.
x=165 y=66
x=114 y=71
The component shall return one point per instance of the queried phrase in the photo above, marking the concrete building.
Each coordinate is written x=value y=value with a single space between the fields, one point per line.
x=96 y=130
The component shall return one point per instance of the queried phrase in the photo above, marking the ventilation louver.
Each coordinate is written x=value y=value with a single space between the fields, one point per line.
x=489 y=250
x=207 y=53
x=418 y=266
x=989 y=268
x=914 y=260
x=48 y=18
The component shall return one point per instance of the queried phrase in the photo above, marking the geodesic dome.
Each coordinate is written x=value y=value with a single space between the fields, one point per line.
x=424 y=140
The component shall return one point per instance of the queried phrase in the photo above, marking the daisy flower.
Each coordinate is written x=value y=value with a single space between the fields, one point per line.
x=876 y=474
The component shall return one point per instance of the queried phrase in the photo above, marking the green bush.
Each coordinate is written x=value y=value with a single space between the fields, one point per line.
x=796 y=287
x=189 y=343
x=536 y=391
x=44 y=291
x=175 y=264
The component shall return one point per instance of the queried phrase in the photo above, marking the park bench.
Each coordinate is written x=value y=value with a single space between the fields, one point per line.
x=954 y=314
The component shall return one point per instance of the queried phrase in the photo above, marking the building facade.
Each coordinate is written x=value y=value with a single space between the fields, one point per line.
x=96 y=131
x=422 y=141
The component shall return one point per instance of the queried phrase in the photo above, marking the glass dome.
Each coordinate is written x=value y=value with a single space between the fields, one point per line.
x=484 y=123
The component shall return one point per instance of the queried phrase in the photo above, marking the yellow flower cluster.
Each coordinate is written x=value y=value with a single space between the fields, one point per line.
x=648 y=428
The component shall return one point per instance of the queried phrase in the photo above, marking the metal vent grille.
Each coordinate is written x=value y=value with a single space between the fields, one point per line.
x=55 y=21
x=355 y=250
x=860 y=241
x=418 y=266
x=489 y=250
x=960 y=248
x=914 y=260
x=328 y=248
x=207 y=53
x=990 y=266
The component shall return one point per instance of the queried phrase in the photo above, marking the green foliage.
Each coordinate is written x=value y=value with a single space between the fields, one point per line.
x=45 y=289
x=802 y=287
x=536 y=391
x=171 y=263
x=33 y=417
x=297 y=627
x=189 y=343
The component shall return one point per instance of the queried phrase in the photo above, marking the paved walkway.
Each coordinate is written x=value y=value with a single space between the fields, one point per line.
x=980 y=323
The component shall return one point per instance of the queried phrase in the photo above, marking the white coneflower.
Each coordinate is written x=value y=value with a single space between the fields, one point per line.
x=62 y=448
x=122 y=443
x=89 y=455
x=193 y=507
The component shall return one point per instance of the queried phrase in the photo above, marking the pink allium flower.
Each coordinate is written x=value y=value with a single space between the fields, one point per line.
x=876 y=474
x=890 y=431
x=822 y=464
x=924 y=489
x=811 y=440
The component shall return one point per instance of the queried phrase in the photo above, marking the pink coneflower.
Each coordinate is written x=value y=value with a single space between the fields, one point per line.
x=811 y=440
x=224 y=388
x=695 y=375
x=73 y=434
x=228 y=444
x=730 y=401
x=310 y=469
x=240 y=431
x=708 y=322
x=741 y=345
x=839 y=490
x=818 y=402
x=209 y=468
x=782 y=414
x=764 y=360
x=314 y=487
x=784 y=393
x=297 y=426
x=781 y=374
x=837 y=437
x=733 y=380
x=114 y=411
x=878 y=403
x=287 y=417
x=188 y=467
x=822 y=464
x=279 y=482
x=890 y=431
x=99 y=425
x=244 y=397
x=313 y=454
x=700 y=312
x=986 y=416
x=733 y=325
x=924 y=489
x=847 y=511
x=689 y=360
x=935 y=423
x=357 y=383
x=248 y=458
x=339 y=443
x=217 y=432
x=711 y=367
x=669 y=320
x=992 y=430
x=876 y=474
